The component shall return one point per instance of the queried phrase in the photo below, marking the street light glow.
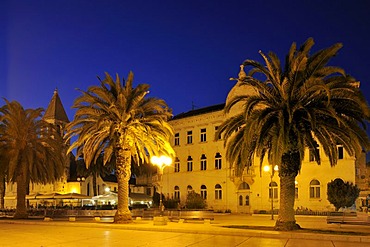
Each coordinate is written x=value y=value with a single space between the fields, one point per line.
x=266 y=168
x=161 y=162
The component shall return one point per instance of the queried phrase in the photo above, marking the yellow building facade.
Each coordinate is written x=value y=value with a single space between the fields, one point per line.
x=201 y=166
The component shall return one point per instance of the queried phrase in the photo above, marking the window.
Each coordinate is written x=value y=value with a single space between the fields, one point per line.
x=218 y=161
x=246 y=200
x=296 y=190
x=203 y=135
x=244 y=186
x=273 y=190
x=177 y=192
x=203 y=162
x=314 y=189
x=217 y=137
x=189 y=188
x=340 y=153
x=177 y=139
x=190 y=163
x=240 y=200
x=177 y=165
x=312 y=154
x=190 y=137
x=203 y=192
x=218 y=192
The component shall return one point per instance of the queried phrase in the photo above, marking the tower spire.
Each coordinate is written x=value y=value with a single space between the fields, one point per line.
x=55 y=112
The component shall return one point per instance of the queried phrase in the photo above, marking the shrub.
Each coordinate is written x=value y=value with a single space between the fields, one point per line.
x=195 y=201
x=342 y=194
x=171 y=203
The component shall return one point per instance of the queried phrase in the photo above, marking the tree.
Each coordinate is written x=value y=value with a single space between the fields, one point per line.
x=195 y=201
x=342 y=194
x=120 y=121
x=286 y=109
x=95 y=170
x=33 y=147
x=3 y=165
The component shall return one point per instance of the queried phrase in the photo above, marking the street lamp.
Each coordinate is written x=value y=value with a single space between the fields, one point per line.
x=266 y=168
x=161 y=162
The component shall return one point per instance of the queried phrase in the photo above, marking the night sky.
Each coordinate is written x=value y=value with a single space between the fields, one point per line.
x=186 y=50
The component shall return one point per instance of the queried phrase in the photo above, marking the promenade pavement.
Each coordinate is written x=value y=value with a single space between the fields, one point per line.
x=144 y=233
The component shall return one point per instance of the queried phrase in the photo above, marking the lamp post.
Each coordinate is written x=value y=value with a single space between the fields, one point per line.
x=271 y=172
x=161 y=162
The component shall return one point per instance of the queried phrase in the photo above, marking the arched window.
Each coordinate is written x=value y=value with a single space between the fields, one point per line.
x=244 y=186
x=203 y=192
x=273 y=190
x=189 y=188
x=218 y=161
x=203 y=162
x=314 y=189
x=247 y=200
x=218 y=192
x=177 y=192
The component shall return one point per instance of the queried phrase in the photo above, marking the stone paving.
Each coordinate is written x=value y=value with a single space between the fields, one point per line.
x=145 y=233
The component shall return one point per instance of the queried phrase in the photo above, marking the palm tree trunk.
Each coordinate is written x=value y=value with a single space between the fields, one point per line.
x=123 y=173
x=2 y=190
x=21 y=210
x=287 y=173
x=95 y=185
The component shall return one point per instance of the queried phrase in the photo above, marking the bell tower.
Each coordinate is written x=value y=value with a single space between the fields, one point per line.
x=56 y=115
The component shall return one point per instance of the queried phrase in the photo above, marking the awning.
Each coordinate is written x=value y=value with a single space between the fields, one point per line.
x=47 y=196
x=32 y=196
x=72 y=196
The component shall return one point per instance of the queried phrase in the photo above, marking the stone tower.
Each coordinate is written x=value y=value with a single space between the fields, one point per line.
x=56 y=115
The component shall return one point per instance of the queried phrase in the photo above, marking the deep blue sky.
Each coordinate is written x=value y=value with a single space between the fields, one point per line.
x=186 y=50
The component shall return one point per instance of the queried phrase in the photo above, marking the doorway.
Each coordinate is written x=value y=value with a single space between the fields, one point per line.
x=243 y=197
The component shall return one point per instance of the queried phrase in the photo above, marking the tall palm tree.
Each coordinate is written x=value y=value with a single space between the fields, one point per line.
x=285 y=109
x=97 y=169
x=118 y=120
x=3 y=166
x=33 y=147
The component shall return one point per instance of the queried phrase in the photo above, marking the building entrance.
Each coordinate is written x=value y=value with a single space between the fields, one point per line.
x=243 y=197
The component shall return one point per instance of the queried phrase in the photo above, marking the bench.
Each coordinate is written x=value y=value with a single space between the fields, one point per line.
x=349 y=218
x=190 y=215
x=73 y=215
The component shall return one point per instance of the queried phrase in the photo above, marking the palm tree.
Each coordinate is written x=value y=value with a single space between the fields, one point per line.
x=3 y=165
x=97 y=169
x=33 y=147
x=287 y=109
x=120 y=121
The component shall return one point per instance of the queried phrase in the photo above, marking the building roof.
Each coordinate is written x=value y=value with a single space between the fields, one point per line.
x=200 y=111
x=55 y=110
